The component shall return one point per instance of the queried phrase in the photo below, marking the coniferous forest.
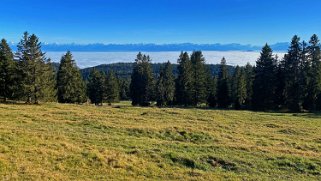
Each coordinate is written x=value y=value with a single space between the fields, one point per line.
x=290 y=83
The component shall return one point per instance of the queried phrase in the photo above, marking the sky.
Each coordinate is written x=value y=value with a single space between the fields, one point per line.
x=160 y=21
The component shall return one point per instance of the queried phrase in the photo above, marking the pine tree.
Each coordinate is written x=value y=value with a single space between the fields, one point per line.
x=165 y=87
x=293 y=79
x=111 y=88
x=239 y=88
x=199 y=78
x=184 y=80
x=96 y=87
x=36 y=70
x=71 y=87
x=7 y=71
x=223 y=87
x=264 y=86
x=142 y=81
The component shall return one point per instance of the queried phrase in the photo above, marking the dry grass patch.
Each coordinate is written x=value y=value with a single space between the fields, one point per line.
x=85 y=142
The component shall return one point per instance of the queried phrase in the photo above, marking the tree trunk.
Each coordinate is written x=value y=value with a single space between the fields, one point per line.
x=36 y=97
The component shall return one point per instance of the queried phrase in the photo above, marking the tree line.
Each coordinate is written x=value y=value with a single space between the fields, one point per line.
x=291 y=83
x=27 y=75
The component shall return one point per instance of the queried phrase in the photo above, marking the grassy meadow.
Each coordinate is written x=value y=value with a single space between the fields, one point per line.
x=83 y=142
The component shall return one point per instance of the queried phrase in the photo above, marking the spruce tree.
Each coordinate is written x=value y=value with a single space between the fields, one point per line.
x=293 y=79
x=7 y=71
x=279 y=96
x=165 y=87
x=142 y=81
x=199 y=91
x=313 y=75
x=95 y=87
x=264 y=86
x=49 y=90
x=223 y=86
x=124 y=89
x=71 y=87
x=184 y=80
x=239 y=88
x=36 y=70
x=249 y=77
x=212 y=91
x=305 y=71
x=111 y=88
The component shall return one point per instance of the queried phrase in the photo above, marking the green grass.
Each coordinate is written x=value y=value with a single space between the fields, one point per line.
x=84 y=142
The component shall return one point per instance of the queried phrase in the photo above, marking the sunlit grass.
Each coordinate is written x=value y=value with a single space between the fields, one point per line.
x=84 y=142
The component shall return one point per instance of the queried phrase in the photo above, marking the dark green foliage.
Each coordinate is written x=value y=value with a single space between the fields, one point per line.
x=223 y=86
x=249 y=78
x=293 y=78
x=96 y=87
x=35 y=70
x=142 y=81
x=111 y=88
x=294 y=83
x=184 y=80
x=212 y=91
x=124 y=92
x=199 y=74
x=165 y=87
x=279 y=97
x=305 y=71
x=49 y=91
x=124 y=70
x=71 y=87
x=264 y=85
x=102 y=88
x=312 y=74
x=239 y=88
x=8 y=66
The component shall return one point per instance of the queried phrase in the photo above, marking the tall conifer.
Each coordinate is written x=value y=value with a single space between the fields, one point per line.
x=111 y=88
x=313 y=75
x=7 y=71
x=223 y=86
x=37 y=72
x=239 y=88
x=293 y=78
x=95 y=87
x=199 y=91
x=264 y=85
x=249 y=77
x=71 y=87
x=165 y=87
x=142 y=81
x=184 y=80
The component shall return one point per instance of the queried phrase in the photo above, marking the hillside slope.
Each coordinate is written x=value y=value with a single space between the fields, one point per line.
x=83 y=142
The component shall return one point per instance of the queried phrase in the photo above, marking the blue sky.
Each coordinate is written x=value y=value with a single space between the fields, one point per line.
x=161 y=21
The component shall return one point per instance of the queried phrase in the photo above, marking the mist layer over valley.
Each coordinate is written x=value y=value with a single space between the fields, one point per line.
x=90 y=59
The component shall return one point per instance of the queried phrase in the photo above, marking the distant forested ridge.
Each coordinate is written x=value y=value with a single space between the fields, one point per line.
x=289 y=83
x=124 y=70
